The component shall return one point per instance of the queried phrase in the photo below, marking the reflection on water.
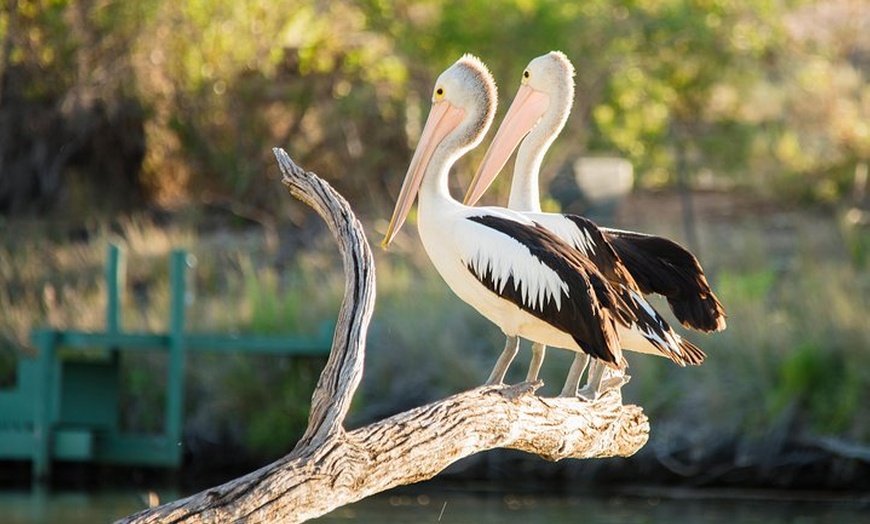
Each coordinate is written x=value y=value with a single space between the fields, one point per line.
x=43 y=507
x=457 y=507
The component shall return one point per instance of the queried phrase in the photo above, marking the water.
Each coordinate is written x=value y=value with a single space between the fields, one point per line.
x=42 y=507
x=458 y=507
x=463 y=508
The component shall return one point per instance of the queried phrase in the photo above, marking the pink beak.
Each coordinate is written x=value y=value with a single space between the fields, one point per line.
x=443 y=118
x=526 y=110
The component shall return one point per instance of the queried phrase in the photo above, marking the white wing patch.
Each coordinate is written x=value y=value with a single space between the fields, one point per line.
x=567 y=230
x=670 y=341
x=501 y=256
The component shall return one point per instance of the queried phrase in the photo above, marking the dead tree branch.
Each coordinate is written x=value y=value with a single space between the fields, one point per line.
x=331 y=467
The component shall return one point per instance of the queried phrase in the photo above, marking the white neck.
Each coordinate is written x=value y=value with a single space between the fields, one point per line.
x=525 y=193
x=435 y=187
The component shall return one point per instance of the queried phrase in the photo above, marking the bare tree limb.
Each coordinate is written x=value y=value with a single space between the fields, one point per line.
x=331 y=467
x=343 y=370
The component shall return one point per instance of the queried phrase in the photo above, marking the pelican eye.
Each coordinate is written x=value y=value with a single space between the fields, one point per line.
x=526 y=74
x=439 y=93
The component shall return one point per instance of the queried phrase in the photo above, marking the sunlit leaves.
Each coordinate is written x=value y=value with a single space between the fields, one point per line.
x=778 y=86
x=820 y=85
x=227 y=37
x=689 y=63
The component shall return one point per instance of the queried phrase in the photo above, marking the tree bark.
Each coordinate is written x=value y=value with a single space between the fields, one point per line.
x=331 y=467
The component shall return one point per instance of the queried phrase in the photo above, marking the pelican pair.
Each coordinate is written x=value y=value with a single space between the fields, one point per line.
x=533 y=279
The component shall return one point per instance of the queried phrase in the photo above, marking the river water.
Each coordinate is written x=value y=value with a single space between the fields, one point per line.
x=463 y=507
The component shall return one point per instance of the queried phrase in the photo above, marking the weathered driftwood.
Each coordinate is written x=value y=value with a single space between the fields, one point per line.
x=331 y=467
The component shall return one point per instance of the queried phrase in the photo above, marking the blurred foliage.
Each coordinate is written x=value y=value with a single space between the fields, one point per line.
x=749 y=286
x=820 y=380
x=313 y=77
x=855 y=229
x=793 y=357
x=773 y=95
x=276 y=385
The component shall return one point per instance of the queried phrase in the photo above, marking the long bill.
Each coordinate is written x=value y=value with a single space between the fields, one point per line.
x=526 y=110
x=443 y=118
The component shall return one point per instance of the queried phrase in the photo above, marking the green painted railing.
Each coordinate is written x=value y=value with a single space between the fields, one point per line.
x=65 y=407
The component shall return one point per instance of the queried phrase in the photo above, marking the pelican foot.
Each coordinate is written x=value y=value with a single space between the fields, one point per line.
x=523 y=388
x=589 y=393
x=592 y=392
x=565 y=393
x=614 y=382
x=534 y=385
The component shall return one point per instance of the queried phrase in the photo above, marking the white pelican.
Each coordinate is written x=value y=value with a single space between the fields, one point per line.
x=514 y=272
x=642 y=263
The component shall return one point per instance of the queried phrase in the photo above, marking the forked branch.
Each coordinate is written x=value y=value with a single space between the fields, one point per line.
x=340 y=378
x=331 y=467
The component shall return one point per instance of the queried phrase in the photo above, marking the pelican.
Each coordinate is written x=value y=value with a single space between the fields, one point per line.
x=638 y=262
x=514 y=272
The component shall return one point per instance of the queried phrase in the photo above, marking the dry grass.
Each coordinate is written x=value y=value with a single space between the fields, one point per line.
x=794 y=354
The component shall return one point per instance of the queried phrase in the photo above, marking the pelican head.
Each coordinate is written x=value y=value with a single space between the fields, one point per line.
x=542 y=103
x=463 y=106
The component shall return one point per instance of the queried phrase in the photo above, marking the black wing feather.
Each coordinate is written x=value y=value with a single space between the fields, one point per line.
x=588 y=315
x=604 y=256
x=663 y=266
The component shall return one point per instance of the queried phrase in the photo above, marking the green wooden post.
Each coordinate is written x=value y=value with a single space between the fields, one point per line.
x=114 y=286
x=116 y=276
x=45 y=341
x=175 y=380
